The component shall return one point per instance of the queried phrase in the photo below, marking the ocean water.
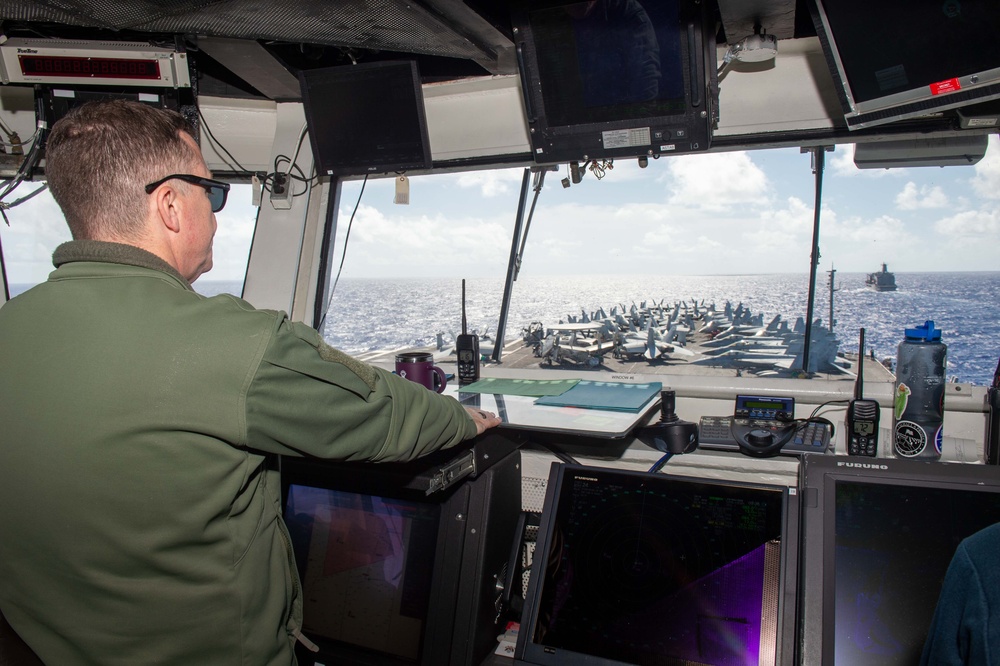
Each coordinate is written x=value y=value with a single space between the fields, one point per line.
x=377 y=314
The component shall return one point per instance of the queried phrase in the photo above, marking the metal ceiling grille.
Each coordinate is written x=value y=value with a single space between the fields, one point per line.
x=388 y=25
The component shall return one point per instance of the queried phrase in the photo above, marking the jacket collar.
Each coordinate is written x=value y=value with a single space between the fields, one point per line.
x=113 y=253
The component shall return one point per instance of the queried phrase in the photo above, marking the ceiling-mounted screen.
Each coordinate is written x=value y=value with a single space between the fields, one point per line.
x=366 y=118
x=616 y=78
x=894 y=60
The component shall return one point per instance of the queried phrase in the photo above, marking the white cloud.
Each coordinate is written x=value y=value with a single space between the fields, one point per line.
x=986 y=182
x=558 y=248
x=491 y=183
x=664 y=235
x=970 y=237
x=716 y=182
x=679 y=242
x=925 y=196
x=796 y=217
x=757 y=240
x=842 y=164
x=231 y=249
x=971 y=224
x=860 y=243
x=643 y=213
x=573 y=216
x=628 y=170
x=389 y=245
x=883 y=228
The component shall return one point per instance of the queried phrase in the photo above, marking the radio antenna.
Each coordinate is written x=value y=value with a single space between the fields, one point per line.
x=859 y=382
x=464 y=326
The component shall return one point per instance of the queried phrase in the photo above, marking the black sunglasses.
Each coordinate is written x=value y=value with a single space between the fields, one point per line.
x=217 y=190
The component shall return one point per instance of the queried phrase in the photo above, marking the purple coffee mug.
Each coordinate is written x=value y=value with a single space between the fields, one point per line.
x=419 y=367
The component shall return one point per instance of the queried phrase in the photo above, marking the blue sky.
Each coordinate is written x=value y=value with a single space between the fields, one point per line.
x=726 y=213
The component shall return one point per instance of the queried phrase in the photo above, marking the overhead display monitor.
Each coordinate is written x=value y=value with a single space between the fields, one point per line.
x=639 y=568
x=878 y=539
x=616 y=78
x=366 y=118
x=897 y=59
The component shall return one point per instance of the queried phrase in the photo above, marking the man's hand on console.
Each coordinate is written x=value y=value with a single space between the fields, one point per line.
x=483 y=419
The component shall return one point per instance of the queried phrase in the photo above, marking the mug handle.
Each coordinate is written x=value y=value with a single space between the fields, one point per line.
x=440 y=379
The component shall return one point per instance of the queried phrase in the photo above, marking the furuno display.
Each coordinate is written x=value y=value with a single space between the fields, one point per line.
x=763 y=426
x=397 y=566
x=878 y=538
x=862 y=415
x=639 y=568
x=893 y=60
x=606 y=80
x=366 y=118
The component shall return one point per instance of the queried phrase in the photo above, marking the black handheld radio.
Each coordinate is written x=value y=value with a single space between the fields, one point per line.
x=467 y=349
x=862 y=415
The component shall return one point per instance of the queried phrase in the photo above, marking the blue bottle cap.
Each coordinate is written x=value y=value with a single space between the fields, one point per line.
x=926 y=333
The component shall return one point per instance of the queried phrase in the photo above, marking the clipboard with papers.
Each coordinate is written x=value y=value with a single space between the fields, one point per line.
x=606 y=410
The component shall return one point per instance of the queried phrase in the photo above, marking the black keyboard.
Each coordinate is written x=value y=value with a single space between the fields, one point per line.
x=716 y=432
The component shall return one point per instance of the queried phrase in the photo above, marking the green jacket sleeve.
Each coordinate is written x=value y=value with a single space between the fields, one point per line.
x=306 y=398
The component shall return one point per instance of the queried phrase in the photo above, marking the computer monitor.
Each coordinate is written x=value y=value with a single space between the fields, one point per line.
x=894 y=60
x=392 y=574
x=878 y=538
x=639 y=568
x=349 y=539
x=616 y=78
x=366 y=118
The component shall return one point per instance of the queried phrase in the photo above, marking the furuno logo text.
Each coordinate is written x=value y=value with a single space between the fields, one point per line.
x=862 y=465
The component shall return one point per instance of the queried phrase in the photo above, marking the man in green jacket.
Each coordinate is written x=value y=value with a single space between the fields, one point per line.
x=139 y=506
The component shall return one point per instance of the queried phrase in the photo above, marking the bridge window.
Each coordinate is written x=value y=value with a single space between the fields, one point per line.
x=37 y=227
x=705 y=229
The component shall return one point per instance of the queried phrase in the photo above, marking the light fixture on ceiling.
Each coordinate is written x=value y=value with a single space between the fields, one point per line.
x=758 y=47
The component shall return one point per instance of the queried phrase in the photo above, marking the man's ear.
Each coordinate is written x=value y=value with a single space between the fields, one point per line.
x=166 y=203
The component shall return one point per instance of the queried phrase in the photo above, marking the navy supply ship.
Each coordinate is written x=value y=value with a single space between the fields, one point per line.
x=883 y=280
